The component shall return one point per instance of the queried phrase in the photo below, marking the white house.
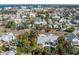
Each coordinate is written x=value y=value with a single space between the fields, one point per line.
x=32 y=15
x=43 y=39
x=8 y=37
x=76 y=21
x=38 y=20
x=73 y=38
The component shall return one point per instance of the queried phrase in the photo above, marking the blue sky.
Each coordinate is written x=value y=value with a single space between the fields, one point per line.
x=39 y=2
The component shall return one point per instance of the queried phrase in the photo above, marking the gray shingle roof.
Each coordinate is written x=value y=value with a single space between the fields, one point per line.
x=71 y=36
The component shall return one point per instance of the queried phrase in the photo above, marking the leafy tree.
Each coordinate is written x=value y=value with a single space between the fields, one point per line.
x=64 y=46
x=46 y=18
x=22 y=25
x=23 y=43
x=60 y=45
x=78 y=35
x=27 y=42
x=37 y=51
x=46 y=51
x=10 y=24
x=33 y=38
x=71 y=29
x=13 y=42
x=2 y=49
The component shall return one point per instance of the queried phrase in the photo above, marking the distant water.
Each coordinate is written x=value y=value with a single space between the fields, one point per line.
x=36 y=5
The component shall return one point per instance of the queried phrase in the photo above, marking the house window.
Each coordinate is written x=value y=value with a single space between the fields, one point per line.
x=75 y=42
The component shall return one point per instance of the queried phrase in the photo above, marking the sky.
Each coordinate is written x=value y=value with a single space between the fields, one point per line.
x=39 y=2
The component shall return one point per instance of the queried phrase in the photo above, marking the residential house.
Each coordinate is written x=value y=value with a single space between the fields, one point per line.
x=47 y=39
x=7 y=37
x=73 y=38
x=39 y=21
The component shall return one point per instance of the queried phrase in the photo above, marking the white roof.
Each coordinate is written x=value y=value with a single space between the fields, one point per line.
x=46 y=38
x=38 y=20
x=75 y=40
x=7 y=37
